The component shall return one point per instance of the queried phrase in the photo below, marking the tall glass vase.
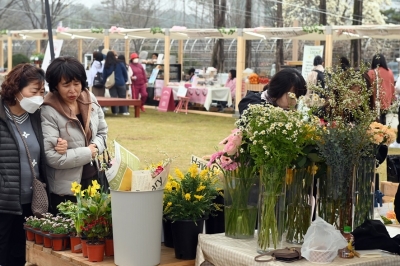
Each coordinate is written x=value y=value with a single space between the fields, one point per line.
x=364 y=191
x=240 y=199
x=271 y=213
x=335 y=195
x=299 y=188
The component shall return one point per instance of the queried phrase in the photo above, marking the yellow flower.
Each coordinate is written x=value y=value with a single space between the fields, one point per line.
x=193 y=170
x=168 y=186
x=200 y=188
x=204 y=173
x=82 y=193
x=175 y=184
x=170 y=177
x=95 y=185
x=169 y=204
x=92 y=191
x=76 y=188
x=178 y=173
x=187 y=196
x=198 y=197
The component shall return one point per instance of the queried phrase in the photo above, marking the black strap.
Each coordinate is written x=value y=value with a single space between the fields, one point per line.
x=26 y=147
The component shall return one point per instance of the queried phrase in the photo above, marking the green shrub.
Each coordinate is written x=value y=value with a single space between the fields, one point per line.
x=17 y=59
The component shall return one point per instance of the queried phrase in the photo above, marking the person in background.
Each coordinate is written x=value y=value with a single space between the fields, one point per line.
x=111 y=65
x=154 y=56
x=316 y=76
x=382 y=78
x=71 y=112
x=138 y=76
x=231 y=82
x=276 y=91
x=344 y=63
x=129 y=82
x=96 y=67
x=20 y=98
x=191 y=74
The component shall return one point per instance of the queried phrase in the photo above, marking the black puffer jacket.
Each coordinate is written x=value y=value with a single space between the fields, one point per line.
x=10 y=179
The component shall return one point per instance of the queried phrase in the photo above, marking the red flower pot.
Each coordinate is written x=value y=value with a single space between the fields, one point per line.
x=109 y=247
x=38 y=238
x=59 y=241
x=76 y=244
x=46 y=240
x=30 y=236
x=84 y=248
x=95 y=252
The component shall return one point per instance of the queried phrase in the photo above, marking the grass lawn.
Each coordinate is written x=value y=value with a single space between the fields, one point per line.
x=178 y=135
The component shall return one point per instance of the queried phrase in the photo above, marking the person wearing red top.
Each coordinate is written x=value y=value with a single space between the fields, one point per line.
x=138 y=76
x=382 y=77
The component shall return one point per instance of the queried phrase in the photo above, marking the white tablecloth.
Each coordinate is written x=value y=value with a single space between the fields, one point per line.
x=213 y=94
x=219 y=250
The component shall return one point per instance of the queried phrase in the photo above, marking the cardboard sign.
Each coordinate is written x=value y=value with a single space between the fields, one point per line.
x=201 y=163
x=182 y=91
x=167 y=100
x=308 y=58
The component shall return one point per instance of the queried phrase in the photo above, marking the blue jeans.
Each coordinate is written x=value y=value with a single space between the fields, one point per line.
x=118 y=92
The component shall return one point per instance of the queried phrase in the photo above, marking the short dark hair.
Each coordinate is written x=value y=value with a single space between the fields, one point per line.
x=233 y=73
x=110 y=60
x=67 y=68
x=318 y=60
x=156 y=54
x=121 y=57
x=379 y=60
x=283 y=81
x=344 y=63
x=192 y=70
x=18 y=78
x=98 y=56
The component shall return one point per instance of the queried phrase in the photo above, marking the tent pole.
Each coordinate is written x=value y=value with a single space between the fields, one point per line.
x=127 y=42
x=1 y=54
x=38 y=48
x=49 y=30
x=239 y=68
x=328 y=46
x=9 y=53
x=167 y=45
x=80 y=49
x=180 y=53
x=295 y=44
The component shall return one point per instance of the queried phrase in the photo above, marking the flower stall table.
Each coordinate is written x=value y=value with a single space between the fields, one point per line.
x=205 y=95
x=219 y=250
x=40 y=256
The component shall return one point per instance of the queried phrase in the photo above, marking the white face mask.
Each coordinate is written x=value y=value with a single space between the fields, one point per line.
x=31 y=104
x=136 y=60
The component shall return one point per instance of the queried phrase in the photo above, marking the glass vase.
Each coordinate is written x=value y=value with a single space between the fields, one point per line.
x=271 y=213
x=299 y=186
x=364 y=191
x=240 y=200
x=335 y=195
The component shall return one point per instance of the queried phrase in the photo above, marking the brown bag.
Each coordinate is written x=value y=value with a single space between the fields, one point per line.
x=283 y=255
x=40 y=202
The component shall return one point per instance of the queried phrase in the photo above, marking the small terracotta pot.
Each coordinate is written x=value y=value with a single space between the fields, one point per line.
x=84 y=248
x=59 y=241
x=38 y=239
x=95 y=252
x=109 y=247
x=30 y=236
x=76 y=244
x=47 y=243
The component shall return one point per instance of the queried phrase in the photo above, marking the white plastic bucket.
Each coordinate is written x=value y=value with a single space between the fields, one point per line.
x=392 y=120
x=137 y=223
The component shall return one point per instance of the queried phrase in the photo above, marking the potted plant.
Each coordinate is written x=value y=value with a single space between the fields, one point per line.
x=70 y=209
x=36 y=223
x=37 y=58
x=30 y=235
x=188 y=200
x=59 y=233
x=96 y=231
x=46 y=227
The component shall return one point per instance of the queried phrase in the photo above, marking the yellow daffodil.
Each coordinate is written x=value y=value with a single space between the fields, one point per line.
x=95 y=185
x=193 y=170
x=198 y=197
x=178 y=173
x=92 y=191
x=76 y=188
x=187 y=196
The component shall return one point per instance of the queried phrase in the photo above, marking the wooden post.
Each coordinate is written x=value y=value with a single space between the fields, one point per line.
x=240 y=55
x=328 y=46
x=9 y=53
x=38 y=48
x=180 y=53
x=295 y=44
x=127 y=48
x=80 y=50
x=106 y=40
x=167 y=45
x=317 y=43
x=1 y=54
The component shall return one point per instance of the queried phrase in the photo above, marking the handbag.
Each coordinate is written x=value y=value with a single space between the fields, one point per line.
x=104 y=164
x=283 y=255
x=40 y=201
x=110 y=82
x=98 y=80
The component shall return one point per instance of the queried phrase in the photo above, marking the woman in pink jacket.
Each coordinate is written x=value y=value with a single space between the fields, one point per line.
x=138 y=76
x=231 y=82
x=382 y=77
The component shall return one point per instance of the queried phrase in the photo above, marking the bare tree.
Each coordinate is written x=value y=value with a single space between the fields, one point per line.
x=356 y=44
x=10 y=16
x=279 y=42
x=322 y=18
x=247 y=24
x=217 y=58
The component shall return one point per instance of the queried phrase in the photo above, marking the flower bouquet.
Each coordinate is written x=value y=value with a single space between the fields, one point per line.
x=278 y=137
x=239 y=181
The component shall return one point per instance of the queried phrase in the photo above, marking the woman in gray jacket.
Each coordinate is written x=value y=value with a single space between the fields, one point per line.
x=71 y=112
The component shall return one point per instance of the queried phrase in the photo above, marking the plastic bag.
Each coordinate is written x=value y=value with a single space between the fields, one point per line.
x=322 y=242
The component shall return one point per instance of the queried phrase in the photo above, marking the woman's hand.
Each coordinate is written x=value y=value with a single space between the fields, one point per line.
x=62 y=146
x=93 y=149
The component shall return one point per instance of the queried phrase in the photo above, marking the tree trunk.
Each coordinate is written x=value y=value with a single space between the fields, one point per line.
x=217 y=58
x=247 y=24
x=322 y=19
x=279 y=43
x=356 y=44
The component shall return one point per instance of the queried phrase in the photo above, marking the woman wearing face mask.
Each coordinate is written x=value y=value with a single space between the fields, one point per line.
x=21 y=95
x=71 y=112
x=139 y=79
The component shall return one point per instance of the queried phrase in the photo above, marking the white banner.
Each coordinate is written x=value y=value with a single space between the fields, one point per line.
x=308 y=58
x=47 y=58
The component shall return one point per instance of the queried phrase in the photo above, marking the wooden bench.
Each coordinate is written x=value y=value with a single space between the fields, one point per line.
x=103 y=102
